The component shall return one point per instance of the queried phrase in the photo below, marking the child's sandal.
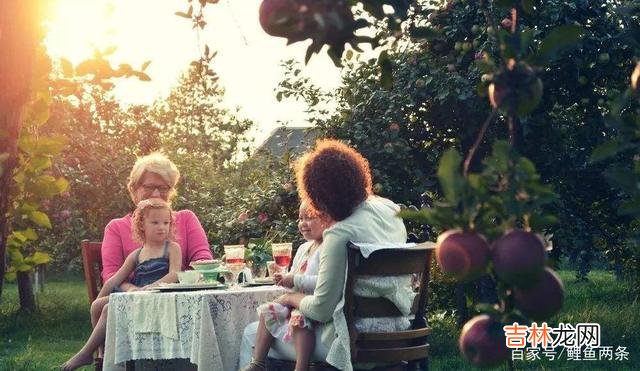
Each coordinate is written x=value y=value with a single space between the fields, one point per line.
x=256 y=365
x=98 y=363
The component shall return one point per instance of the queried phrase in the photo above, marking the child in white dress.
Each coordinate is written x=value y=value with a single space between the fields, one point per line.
x=283 y=322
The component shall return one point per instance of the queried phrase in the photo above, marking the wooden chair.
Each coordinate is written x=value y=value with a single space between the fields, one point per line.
x=398 y=350
x=92 y=263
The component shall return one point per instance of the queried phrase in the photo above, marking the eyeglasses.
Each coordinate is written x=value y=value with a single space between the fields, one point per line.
x=149 y=188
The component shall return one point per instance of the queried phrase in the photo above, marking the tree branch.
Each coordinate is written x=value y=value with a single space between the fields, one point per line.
x=474 y=148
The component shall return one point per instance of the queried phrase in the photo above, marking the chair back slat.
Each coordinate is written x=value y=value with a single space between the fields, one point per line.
x=385 y=336
x=393 y=354
x=408 y=345
x=379 y=307
x=92 y=265
x=392 y=262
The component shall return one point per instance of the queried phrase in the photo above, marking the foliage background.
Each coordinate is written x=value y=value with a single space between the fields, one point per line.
x=208 y=143
x=403 y=130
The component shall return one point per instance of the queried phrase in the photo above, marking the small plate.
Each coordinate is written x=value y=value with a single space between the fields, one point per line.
x=187 y=287
x=251 y=284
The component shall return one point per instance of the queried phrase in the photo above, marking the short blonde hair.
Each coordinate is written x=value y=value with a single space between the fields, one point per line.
x=157 y=163
x=139 y=215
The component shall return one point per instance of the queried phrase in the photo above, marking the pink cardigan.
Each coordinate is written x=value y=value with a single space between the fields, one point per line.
x=118 y=243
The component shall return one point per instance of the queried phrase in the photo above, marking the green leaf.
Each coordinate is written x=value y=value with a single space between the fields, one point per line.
x=51 y=145
x=19 y=236
x=558 y=40
x=375 y=8
x=27 y=207
x=526 y=38
x=39 y=257
x=504 y=3
x=630 y=207
x=30 y=234
x=45 y=186
x=487 y=308
x=142 y=76
x=449 y=175
x=61 y=185
x=40 y=163
x=608 y=149
x=418 y=216
x=386 y=70
x=24 y=267
x=67 y=67
x=39 y=112
x=539 y=222
x=40 y=219
x=15 y=257
x=10 y=276
x=108 y=51
x=623 y=178
x=527 y=6
x=527 y=166
x=423 y=33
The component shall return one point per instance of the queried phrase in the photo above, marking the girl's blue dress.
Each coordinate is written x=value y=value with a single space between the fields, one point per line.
x=151 y=270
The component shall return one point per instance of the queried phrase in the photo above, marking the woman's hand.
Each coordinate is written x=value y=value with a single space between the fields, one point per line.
x=284 y=280
x=291 y=299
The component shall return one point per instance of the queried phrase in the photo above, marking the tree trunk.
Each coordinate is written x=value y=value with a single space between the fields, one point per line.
x=461 y=304
x=19 y=36
x=25 y=290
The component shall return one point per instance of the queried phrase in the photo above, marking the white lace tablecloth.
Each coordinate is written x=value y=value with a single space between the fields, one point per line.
x=209 y=326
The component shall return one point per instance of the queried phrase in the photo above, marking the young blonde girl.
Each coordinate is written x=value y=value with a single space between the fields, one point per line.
x=278 y=321
x=156 y=261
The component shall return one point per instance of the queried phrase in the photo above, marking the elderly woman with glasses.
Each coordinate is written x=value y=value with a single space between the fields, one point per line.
x=152 y=176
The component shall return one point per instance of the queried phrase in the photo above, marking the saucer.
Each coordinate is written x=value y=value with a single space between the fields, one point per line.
x=191 y=286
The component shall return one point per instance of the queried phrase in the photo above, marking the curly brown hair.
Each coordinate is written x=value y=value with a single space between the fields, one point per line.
x=334 y=178
x=137 y=220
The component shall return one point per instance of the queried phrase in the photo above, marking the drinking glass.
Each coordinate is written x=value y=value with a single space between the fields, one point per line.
x=281 y=255
x=234 y=256
x=272 y=268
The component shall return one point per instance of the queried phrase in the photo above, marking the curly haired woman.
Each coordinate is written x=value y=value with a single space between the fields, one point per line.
x=334 y=179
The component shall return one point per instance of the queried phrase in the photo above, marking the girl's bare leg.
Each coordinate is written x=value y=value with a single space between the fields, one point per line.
x=264 y=339
x=96 y=311
x=96 y=339
x=304 y=341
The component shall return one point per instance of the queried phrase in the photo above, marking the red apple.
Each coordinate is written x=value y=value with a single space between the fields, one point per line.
x=463 y=255
x=482 y=342
x=506 y=23
x=543 y=299
x=518 y=258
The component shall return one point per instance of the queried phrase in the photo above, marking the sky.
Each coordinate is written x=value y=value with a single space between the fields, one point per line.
x=248 y=60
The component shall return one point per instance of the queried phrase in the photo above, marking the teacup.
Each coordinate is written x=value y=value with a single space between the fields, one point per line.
x=189 y=277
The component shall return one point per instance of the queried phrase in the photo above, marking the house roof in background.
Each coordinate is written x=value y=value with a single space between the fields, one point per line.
x=287 y=139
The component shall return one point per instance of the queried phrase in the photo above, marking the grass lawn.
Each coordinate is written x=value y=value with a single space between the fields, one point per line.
x=43 y=340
